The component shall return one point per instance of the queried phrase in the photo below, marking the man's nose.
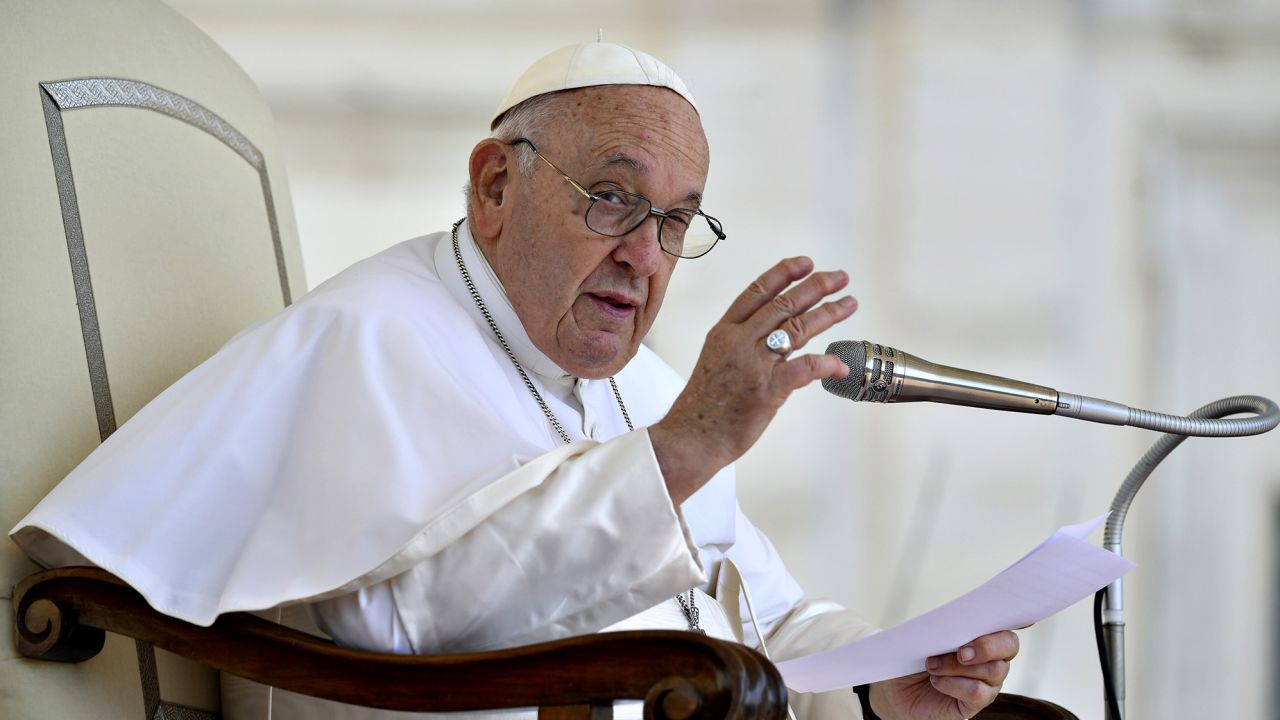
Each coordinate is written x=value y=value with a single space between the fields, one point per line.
x=640 y=248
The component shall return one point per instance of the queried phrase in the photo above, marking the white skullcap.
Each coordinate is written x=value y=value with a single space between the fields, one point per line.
x=588 y=65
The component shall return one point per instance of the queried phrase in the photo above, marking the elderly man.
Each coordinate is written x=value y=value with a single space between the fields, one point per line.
x=461 y=443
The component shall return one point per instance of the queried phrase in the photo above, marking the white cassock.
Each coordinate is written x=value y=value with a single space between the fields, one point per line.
x=371 y=455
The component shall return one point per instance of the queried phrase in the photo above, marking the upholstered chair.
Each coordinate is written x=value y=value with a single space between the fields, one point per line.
x=144 y=219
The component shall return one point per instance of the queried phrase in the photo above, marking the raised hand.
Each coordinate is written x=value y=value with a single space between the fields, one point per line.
x=739 y=384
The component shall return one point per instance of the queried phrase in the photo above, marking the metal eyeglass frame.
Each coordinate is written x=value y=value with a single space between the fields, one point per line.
x=713 y=223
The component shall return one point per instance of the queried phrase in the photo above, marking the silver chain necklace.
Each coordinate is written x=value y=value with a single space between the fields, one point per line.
x=690 y=612
x=689 y=609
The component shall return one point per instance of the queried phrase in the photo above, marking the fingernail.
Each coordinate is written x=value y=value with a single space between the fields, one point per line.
x=931 y=664
x=966 y=654
x=847 y=302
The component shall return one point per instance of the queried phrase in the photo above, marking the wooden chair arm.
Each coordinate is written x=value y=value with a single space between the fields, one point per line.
x=1020 y=707
x=62 y=614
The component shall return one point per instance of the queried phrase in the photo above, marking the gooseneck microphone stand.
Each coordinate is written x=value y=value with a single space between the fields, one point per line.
x=883 y=374
x=1208 y=421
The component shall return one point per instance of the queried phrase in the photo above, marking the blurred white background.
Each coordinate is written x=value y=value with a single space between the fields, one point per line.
x=1080 y=194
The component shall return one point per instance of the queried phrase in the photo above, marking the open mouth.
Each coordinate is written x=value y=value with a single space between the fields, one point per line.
x=614 y=302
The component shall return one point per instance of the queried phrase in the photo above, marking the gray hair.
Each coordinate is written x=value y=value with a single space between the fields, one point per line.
x=527 y=119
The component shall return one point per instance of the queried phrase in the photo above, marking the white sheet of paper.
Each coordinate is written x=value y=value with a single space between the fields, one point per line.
x=1059 y=572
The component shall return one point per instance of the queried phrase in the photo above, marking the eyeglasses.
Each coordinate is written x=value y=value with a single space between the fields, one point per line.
x=690 y=233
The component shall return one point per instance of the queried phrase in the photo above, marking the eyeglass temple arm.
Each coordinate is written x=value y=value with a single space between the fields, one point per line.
x=576 y=185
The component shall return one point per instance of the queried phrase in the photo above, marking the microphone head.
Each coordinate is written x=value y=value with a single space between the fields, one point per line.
x=854 y=354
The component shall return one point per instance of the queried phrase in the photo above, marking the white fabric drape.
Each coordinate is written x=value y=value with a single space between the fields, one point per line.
x=372 y=452
x=343 y=441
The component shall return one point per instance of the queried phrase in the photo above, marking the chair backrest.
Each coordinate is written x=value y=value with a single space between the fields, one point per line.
x=144 y=219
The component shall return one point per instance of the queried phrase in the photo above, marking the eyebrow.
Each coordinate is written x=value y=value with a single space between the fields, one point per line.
x=629 y=162
x=642 y=168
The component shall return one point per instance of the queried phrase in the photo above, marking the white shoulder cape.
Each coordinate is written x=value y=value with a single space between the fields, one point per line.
x=327 y=448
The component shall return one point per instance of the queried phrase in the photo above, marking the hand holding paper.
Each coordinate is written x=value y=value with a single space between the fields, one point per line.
x=1055 y=575
x=957 y=685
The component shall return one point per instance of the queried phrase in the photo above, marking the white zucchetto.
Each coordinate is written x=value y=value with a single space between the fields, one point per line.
x=590 y=65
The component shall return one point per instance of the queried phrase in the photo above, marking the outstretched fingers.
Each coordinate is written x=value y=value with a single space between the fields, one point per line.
x=766 y=287
x=797 y=372
x=767 y=304
x=805 y=326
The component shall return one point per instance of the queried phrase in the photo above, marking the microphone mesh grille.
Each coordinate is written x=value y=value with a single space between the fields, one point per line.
x=854 y=354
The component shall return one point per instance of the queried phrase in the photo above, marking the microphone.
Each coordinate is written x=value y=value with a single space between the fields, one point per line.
x=879 y=373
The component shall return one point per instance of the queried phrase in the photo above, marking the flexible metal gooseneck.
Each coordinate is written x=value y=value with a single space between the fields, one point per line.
x=1207 y=421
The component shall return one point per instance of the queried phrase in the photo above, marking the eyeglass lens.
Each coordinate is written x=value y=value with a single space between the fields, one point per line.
x=685 y=233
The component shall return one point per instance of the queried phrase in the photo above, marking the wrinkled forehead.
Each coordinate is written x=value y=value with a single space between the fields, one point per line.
x=650 y=125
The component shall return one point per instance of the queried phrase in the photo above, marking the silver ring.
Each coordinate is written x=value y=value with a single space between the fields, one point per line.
x=779 y=341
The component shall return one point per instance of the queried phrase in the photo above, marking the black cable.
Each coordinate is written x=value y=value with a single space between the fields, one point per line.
x=863 y=692
x=1104 y=658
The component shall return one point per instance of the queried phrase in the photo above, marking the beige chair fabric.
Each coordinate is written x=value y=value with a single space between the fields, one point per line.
x=144 y=219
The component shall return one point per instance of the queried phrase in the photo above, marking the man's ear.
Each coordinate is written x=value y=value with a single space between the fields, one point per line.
x=490 y=172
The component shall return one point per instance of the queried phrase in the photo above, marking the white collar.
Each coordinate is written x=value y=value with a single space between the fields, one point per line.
x=495 y=299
